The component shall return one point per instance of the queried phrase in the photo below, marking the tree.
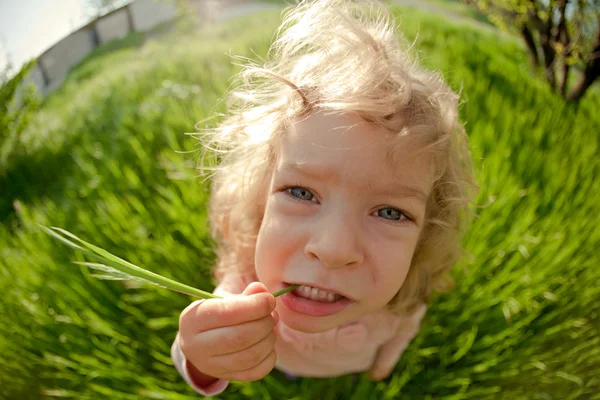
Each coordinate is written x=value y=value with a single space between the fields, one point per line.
x=560 y=35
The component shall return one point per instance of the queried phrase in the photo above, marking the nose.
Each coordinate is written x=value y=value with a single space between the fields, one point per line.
x=336 y=240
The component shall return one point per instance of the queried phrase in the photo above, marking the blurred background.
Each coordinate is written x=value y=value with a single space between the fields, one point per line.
x=96 y=98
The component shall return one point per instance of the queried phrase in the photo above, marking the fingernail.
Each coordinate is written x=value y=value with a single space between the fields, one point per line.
x=276 y=316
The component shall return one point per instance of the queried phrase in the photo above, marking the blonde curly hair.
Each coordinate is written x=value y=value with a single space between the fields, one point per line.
x=340 y=56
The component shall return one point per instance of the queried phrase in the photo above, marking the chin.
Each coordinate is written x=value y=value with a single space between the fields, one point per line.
x=306 y=323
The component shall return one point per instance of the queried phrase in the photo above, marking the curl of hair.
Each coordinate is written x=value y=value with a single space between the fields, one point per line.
x=341 y=56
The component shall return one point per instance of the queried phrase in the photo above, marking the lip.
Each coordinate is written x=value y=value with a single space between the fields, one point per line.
x=312 y=307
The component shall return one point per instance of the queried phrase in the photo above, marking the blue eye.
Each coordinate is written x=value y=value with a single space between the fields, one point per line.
x=300 y=193
x=390 y=213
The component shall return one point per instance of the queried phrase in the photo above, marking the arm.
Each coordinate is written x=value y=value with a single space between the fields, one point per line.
x=390 y=352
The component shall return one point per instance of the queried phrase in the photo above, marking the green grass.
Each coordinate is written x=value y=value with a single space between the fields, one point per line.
x=101 y=160
x=462 y=9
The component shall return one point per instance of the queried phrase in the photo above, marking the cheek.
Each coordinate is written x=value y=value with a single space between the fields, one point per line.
x=262 y=255
x=276 y=243
x=392 y=270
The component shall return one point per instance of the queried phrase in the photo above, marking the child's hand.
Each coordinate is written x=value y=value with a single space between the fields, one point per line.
x=231 y=338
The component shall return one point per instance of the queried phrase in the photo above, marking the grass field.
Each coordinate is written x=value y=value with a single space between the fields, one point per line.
x=103 y=159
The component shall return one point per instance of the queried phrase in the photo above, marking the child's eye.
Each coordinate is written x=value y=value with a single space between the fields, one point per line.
x=300 y=193
x=392 y=214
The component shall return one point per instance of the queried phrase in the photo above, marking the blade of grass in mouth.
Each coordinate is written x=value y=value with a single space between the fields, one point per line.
x=284 y=291
x=114 y=267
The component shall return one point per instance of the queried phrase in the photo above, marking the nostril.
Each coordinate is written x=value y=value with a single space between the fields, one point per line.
x=311 y=255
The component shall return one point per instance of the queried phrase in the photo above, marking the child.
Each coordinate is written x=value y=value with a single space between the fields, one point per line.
x=345 y=170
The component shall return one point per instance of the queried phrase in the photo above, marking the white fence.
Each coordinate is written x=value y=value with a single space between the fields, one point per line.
x=138 y=16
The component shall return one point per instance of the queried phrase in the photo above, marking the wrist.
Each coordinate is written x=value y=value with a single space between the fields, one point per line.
x=199 y=378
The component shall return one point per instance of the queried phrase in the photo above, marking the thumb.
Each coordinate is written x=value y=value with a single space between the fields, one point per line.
x=254 y=288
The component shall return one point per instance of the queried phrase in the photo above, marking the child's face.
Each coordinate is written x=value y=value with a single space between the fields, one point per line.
x=336 y=218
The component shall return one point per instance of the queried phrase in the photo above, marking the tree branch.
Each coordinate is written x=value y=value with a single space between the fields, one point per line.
x=562 y=37
x=531 y=45
x=590 y=73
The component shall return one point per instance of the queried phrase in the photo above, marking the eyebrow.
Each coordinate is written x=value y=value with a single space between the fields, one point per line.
x=322 y=173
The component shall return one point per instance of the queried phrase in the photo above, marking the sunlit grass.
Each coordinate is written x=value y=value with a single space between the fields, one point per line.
x=107 y=159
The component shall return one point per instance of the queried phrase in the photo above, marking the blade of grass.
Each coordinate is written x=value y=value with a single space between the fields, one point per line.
x=118 y=269
x=124 y=267
x=284 y=291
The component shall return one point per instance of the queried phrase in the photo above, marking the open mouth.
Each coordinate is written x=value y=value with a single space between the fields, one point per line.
x=316 y=294
x=314 y=301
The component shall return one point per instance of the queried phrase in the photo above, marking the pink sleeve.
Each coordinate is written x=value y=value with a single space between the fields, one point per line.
x=180 y=363
x=229 y=286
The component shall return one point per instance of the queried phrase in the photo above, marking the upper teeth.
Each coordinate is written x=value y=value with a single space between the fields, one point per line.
x=312 y=293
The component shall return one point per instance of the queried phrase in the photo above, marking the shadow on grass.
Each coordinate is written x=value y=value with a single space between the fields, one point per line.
x=30 y=177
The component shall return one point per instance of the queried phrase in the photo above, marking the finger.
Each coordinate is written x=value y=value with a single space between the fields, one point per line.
x=245 y=359
x=256 y=373
x=215 y=313
x=254 y=288
x=232 y=339
x=379 y=373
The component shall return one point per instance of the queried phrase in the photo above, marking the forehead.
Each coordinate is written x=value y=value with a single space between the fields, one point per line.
x=346 y=145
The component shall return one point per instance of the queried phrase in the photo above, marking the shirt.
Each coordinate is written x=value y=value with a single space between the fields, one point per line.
x=349 y=348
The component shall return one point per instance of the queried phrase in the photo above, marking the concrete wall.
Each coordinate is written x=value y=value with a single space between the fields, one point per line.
x=113 y=26
x=36 y=77
x=57 y=61
x=54 y=64
x=147 y=14
x=139 y=15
